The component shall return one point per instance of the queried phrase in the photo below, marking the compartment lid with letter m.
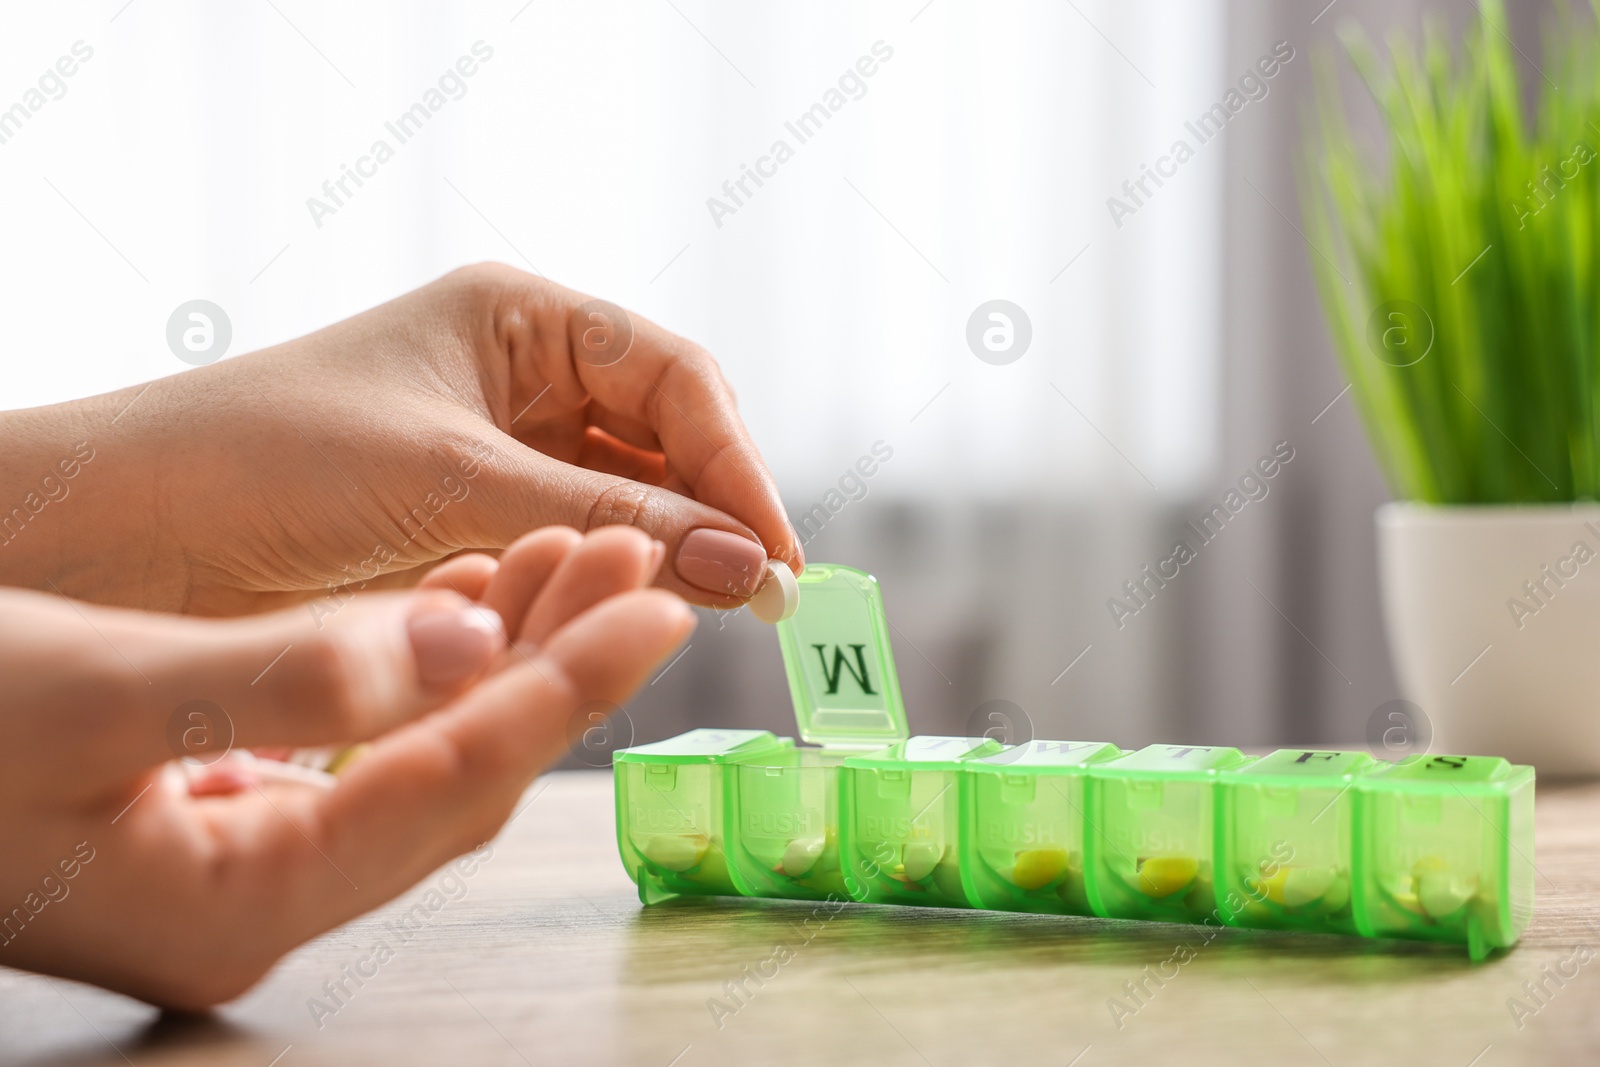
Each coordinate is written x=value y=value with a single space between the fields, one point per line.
x=841 y=667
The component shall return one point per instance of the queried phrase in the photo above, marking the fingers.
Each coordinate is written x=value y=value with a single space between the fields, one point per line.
x=629 y=431
x=678 y=391
x=610 y=561
x=154 y=687
x=604 y=453
x=660 y=385
x=709 y=559
x=524 y=568
x=468 y=574
x=554 y=574
x=439 y=787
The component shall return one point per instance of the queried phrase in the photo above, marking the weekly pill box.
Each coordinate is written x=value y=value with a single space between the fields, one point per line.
x=1434 y=847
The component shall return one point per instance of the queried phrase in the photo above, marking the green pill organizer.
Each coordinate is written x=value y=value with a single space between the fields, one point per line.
x=1435 y=848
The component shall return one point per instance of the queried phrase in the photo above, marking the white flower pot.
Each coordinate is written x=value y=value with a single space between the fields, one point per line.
x=1493 y=616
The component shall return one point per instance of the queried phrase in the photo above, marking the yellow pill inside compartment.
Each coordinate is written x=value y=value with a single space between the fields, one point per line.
x=1036 y=868
x=1162 y=876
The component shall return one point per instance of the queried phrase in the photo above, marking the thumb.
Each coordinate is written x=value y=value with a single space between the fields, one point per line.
x=198 y=688
x=712 y=559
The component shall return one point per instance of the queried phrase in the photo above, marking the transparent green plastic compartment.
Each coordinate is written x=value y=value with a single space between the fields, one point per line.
x=1154 y=810
x=1285 y=840
x=672 y=805
x=900 y=819
x=1022 y=827
x=1449 y=853
x=785 y=836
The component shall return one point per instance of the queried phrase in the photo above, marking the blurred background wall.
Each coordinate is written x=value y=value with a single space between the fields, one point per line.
x=1176 y=343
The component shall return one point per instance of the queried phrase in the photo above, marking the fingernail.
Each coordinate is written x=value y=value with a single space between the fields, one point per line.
x=658 y=552
x=721 y=562
x=451 y=644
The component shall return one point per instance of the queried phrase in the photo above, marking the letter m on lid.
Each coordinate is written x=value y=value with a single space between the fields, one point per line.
x=858 y=670
x=837 y=654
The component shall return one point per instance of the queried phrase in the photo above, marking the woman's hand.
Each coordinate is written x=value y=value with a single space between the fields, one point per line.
x=457 y=417
x=183 y=890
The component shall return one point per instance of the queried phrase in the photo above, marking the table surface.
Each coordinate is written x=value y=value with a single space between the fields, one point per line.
x=545 y=956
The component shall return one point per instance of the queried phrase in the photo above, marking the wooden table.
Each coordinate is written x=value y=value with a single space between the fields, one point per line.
x=546 y=957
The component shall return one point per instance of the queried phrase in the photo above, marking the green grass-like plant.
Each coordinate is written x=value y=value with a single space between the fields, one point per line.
x=1458 y=268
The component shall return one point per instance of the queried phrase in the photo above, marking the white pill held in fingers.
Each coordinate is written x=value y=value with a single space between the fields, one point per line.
x=779 y=595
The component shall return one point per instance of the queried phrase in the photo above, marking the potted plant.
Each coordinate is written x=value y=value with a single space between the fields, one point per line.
x=1459 y=268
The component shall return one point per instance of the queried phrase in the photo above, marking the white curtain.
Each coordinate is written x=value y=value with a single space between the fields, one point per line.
x=973 y=163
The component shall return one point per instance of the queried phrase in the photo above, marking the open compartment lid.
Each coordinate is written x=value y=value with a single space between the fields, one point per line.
x=841 y=668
